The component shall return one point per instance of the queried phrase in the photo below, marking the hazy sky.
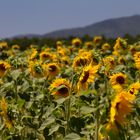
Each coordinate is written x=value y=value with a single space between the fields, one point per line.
x=43 y=16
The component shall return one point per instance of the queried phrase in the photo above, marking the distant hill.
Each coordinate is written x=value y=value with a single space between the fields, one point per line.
x=109 y=28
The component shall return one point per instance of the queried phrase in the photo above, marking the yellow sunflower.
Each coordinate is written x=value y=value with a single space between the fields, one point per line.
x=59 y=43
x=137 y=60
x=33 y=55
x=118 y=81
x=15 y=47
x=60 y=88
x=3 y=45
x=97 y=40
x=4 y=66
x=88 y=75
x=105 y=46
x=36 y=69
x=52 y=70
x=121 y=60
x=45 y=56
x=121 y=106
x=134 y=88
x=76 y=42
x=89 y=44
x=4 y=113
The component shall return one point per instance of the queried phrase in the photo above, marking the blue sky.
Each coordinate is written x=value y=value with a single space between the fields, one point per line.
x=43 y=16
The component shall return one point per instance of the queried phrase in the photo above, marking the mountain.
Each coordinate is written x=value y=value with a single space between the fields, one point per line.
x=110 y=28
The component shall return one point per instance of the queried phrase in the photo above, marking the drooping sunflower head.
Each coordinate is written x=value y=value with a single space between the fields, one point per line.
x=117 y=45
x=118 y=80
x=4 y=113
x=120 y=107
x=33 y=55
x=137 y=56
x=88 y=75
x=4 y=66
x=36 y=69
x=60 y=88
x=52 y=69
x=76 y=42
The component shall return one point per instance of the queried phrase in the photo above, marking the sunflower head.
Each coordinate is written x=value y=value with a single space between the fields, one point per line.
x=52 y=70
x=97 y=40
x=118 y=80
x=59 y=43
x=4 y=66
x=36 y=69
x=89 y=44
x=5 y=114
x=120 y=107
x=76 y=42
x=60 y=88
x=45 y=56
x=3 y=45
x=34 y=54
x=105 y=46
x=15 y=47
x=134 y=88
x=88 y=75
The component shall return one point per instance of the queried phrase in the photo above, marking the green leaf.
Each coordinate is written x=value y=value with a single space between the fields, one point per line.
x=87 y=109
x=47 y=122
x=15 y=74
x=72 y=136
x=53 y=129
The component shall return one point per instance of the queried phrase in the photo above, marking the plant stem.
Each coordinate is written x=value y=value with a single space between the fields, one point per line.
x=97 y=118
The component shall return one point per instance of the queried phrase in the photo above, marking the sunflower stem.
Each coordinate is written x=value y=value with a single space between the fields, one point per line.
x=97 y=118
x=68 y=116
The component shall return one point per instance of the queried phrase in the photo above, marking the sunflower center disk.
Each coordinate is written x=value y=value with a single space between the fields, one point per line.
x=63 y=90
x=2 y=67
x=85 y=77
x=52 y=68
x=120 y=80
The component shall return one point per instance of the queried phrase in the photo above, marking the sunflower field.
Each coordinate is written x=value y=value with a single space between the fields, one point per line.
x=84 y=90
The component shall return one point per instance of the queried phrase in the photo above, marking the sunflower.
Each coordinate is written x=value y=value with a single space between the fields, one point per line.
x=3 y=45
x=89 y=44
x=134 y=88
x=45 y=56
x=4 y=66
x=121 y=60
x=15 y=47
x=60 y=88
x=121 y=106
x=117 y=45
x=118 y=81
x=97 y=40
x=137 y=60
x=34 y=54
x=52 y=69
x=59 y=43
x=105 y=46
x=87 y=76
x=4 y=113
x=36 y=69
x=81 y=61
x=76 y=42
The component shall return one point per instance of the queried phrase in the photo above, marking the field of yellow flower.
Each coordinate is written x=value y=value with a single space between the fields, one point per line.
x=87 y=90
